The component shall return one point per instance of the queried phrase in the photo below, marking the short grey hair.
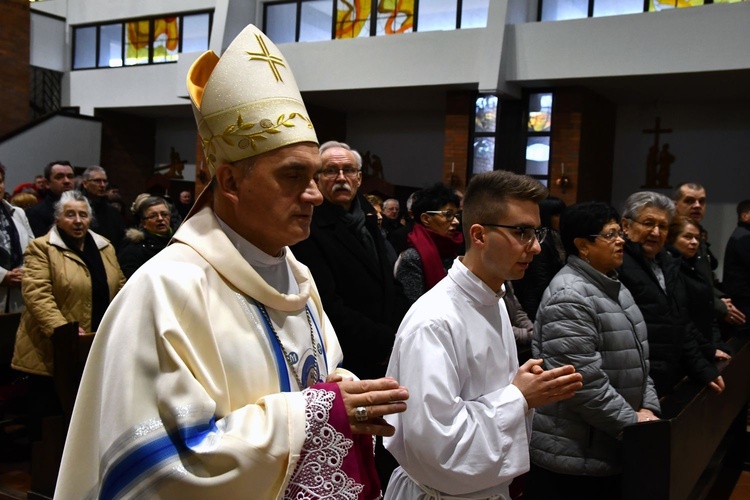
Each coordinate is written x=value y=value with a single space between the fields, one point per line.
x=336 y=144
x=644 y=199
x=69 y=196
x=398 y=205
x=89 y=171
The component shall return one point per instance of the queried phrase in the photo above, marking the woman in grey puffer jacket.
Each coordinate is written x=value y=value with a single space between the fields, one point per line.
x=587 y=318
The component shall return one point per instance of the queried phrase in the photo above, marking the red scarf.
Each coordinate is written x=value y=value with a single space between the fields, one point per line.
x=433 y=248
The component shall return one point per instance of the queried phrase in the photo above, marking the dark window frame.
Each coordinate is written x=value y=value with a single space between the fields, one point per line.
x=372 y=21
x=540 y=4
x=123 y=24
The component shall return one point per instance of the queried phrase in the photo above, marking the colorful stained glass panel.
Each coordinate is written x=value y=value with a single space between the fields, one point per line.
x=485 y=114
x=484 y=155
x=657 y=5
x=540 y=112
x=394 y=16
x=537 y=156
x=353 y=18
x=136 y=42
x=166 y=39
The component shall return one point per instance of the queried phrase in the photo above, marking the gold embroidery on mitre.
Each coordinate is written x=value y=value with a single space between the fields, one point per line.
x=266 y=56
x=241 y=132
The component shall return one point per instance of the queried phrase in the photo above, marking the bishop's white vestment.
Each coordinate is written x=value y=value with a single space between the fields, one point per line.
x=187 y=393
x=466 y=431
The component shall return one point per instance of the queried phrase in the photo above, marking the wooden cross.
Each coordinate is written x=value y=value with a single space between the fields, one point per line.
x=652 y=159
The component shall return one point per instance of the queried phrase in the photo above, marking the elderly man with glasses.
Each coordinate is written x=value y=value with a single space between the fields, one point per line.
x=347 y=257
x=107 y=220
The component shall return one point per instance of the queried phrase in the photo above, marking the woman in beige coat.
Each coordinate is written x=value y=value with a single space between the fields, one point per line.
x=71 y=274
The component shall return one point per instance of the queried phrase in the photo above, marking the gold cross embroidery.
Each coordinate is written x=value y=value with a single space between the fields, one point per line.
x=266 y=56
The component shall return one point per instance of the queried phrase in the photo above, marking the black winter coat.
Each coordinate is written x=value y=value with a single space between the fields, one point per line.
x=138 y=247
x=677 y=347
x=359 y=294
x=700 y=296
x=736 y=265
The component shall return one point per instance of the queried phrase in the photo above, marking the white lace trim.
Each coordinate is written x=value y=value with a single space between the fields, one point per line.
x=318 y=473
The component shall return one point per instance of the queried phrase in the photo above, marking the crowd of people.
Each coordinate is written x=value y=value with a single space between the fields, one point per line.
x=260 y=344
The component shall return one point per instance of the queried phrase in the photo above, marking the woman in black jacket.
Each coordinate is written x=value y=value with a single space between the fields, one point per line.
x=654 y=279
x=150 y=237
x=683 y=241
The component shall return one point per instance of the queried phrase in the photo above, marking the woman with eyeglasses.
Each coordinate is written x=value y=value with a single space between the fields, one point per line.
x=433 y=243
x=683 y=241
x=152 y=235
x=71 y=274
x=588 y=319
x=653 y=277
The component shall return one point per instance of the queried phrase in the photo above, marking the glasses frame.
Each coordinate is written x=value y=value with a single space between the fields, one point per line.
x=609 y=237
x=339 y=171
x=157 y=215
x=539 y=233
x=650 y=226
x=444 y=213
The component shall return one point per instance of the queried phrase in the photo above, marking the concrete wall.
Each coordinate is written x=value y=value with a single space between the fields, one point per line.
x=48 y=47
x=710 y=142
x=59 y=138
x=708 y=38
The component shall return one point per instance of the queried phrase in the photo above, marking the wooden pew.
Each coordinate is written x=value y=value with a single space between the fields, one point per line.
x=70 y=353
x=698 y=448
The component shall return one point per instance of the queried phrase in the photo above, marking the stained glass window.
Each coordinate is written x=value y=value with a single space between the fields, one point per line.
x=484 y=154
x=657 y=5
x=537 y=156
x=147 y=41
x=166 y=39
x=353 y=18
x=540 y=112
x=136 y=42
x=395 y=17
x=485 y=114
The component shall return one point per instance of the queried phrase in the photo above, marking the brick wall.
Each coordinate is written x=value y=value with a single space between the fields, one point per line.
x=456 y=150
x=128 y=151
x=14 y=60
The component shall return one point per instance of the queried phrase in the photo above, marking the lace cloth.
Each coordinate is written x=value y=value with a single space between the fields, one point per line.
x=332 y=464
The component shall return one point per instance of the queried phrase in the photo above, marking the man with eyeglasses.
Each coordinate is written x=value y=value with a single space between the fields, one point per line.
x=347 y=256
x=59 y=176
x=107 y=220
x=656 y=283
x=470 y=435
x=690 y=201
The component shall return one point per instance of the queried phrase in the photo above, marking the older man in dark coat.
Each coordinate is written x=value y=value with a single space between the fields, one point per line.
x=346 y=255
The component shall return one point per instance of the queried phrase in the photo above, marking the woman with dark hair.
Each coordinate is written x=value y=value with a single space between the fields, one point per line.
x=550 y=260
x=15 y=234
x=683 y=241
x=433 y=242
x=152 y=213
x=588 y=319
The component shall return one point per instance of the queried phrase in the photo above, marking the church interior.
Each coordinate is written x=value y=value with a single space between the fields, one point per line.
x=596 y=99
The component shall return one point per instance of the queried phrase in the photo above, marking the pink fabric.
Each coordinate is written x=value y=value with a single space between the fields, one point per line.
x=359 y=464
